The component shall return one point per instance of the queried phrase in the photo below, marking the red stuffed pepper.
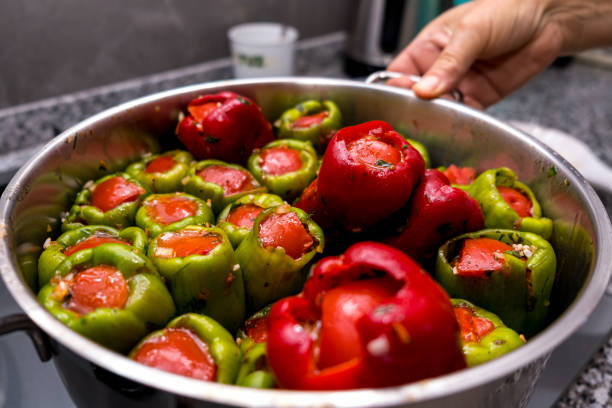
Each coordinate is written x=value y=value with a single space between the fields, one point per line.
x=224 y=126
x=437 y=212
x=400 y=326
x=368 y=172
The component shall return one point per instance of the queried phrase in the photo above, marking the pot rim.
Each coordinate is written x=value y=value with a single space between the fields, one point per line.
x=540 y=345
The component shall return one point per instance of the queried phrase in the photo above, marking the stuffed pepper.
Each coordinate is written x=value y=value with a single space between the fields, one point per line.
x=460 y=176
x=194 y=346
x=483 y=335
x=285 y=167
x=255 y=372
x=172 y=211
x=368 y=318
x=508 y=272
x=367 y=173
x=273 y=256
x=82 y=238
x=112 y=200
x=225 y=126
x=201 y=269
x=311 y=121
x=238 y=217
x=437 y=212
x=220 y=182
x=111 y=293
x=162 y=173
x=508 y=203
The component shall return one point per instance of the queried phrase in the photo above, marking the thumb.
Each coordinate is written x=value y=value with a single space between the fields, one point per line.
x=465 y=46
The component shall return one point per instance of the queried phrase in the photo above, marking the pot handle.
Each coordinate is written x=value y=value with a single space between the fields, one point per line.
x=21 y=322
x=380 y=76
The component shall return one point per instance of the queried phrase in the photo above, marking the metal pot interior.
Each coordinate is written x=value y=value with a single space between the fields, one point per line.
x=47 y=184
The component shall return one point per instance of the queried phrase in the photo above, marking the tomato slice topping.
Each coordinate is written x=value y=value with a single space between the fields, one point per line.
x=304 y=122
x=167 y=209
x=473 y=328
x=481 y=256
x=231 y=180
x=277 y=161
x=244 y=216
x=341 y=308
x=371 y=151
x=257 y=329
x=201 y=111
x=96 y=287
x=91 y=242
x=285 y=231
x=179 y=351
x=460 y=175
x=113 y=192
x=184 y=243
x=160 y=164
x=517 y=200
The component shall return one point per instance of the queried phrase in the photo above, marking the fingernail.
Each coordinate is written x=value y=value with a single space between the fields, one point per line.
x=427 y=85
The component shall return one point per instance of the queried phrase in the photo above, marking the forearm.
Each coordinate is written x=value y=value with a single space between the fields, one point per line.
x=583 y=23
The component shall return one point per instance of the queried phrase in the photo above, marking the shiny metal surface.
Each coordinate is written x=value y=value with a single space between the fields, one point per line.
x=31 y=204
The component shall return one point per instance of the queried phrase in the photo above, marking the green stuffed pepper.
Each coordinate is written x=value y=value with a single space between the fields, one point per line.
x=162 y=173
x=170 y=212
x=111 y=294
x=238 y=217
x=285 y=166
x=220 y=182
x=508 y=272
x=192 y=345
x=112 y=200
x=508 y=203
x=274 y=255
x=310 y=121
x=255 y=372
x=202 y=272
x=483 y=335
x=83 y=238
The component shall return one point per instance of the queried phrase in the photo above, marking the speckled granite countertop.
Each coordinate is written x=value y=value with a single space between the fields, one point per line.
x=575 y=99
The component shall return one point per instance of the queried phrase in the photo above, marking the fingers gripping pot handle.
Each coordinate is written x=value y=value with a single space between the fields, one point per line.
x=380 y=76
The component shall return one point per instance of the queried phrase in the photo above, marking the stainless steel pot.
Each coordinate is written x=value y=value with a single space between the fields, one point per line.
x=94 y=376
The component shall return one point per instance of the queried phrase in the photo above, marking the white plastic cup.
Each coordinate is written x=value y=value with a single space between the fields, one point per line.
x=262 y=49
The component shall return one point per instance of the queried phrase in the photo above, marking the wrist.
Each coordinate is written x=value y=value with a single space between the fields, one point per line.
x=582 y=23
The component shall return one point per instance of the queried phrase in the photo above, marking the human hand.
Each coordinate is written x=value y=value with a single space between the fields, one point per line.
x=489 y=48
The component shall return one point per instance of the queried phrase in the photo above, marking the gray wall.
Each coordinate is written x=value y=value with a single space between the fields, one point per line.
x=53 y=47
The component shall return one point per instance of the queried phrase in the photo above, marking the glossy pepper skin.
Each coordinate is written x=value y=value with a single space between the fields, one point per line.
x=291 y=184
x=360 y=188
x=497 y=212
x=210 y=284
x=219 y=198
x=53 y=255
x=225 y=126
x=269 y=273
x=83 y=212
x=409 y=336
x=169 y=179
x=203 y=215
x=149 y=303
x=310 y=121
x=437 y=212
x=496 y=340
x=235 y=233
x=519 y=293
x=420 y=147
x=255 y=372
x=221 y=345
